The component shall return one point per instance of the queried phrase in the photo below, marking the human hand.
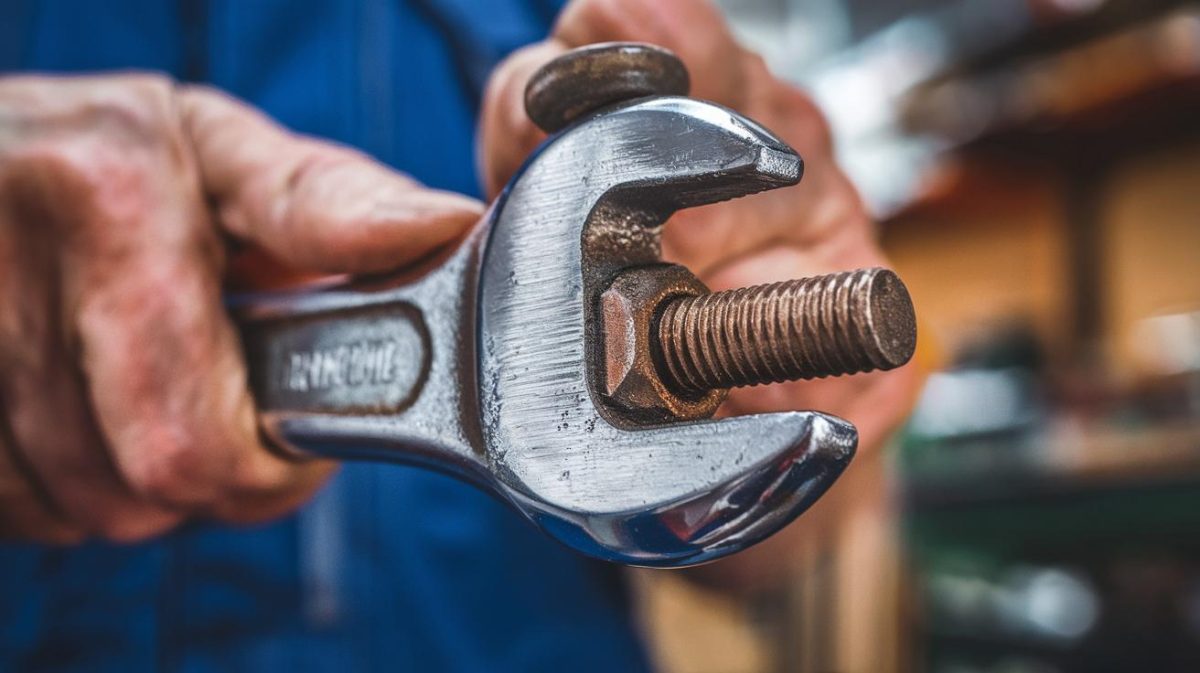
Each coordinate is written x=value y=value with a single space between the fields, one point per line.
x=818 y=227
x=124 y=407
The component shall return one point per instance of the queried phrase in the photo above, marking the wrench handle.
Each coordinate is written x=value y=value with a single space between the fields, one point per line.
x=342 y=358
x=378 y=369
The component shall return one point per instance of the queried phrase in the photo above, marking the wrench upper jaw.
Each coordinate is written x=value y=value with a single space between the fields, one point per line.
x=765 y=169
x=739 y=157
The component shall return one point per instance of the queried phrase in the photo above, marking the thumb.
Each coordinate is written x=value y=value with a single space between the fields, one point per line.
x=313 y=205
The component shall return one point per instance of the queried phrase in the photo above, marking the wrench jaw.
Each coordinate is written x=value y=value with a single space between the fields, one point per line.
x=586 y=206
x=718 y=519
x=732 y=158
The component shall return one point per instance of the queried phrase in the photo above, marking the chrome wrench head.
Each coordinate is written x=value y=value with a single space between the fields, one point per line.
x=485 y=366
x=588 y=204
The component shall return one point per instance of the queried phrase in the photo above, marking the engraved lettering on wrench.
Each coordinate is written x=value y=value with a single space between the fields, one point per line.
x=361 y=363
x=351 y=361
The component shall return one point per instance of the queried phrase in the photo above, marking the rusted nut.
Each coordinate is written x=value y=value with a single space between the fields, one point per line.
x=630 y=378
x=588 y=78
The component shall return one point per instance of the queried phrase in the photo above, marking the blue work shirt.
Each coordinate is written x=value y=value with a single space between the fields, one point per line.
x=389 y=568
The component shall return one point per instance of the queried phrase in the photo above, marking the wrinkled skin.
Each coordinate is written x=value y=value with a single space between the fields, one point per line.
x=123 y=400
x=817 y=227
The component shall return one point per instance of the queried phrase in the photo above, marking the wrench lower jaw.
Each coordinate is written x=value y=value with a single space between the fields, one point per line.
x=714 y=522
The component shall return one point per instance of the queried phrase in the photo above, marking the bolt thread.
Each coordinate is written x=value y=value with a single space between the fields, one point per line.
x=841 y=323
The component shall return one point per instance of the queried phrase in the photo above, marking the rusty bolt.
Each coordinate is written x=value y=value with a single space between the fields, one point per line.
x=672 y=349
x=842 y=323
x=588 y=78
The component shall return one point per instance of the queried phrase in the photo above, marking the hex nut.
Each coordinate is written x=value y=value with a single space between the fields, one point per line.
x=630 y=377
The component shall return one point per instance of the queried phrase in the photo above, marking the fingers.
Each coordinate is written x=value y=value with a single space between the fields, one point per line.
x=722 y=70
x=143 y=415
x=506 y=135
x=124 y=406
x=25 y=513
x=821 y=220
x=56 y=472
x=55 y=439
x=253 y=505
x=314 y=205
x=163 y=364
x=167 y=381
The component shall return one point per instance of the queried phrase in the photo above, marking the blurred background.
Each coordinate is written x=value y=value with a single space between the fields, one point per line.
x=1035 y=169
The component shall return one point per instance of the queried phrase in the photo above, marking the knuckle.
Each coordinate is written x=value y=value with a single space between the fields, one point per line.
x=100 y=140
x=316 y=170
x=135 y=107
x=81 y=185
x=131 y=105
x=157 y=302
x=319 y=171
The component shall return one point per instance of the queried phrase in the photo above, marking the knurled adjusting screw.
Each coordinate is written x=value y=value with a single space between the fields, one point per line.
x=841 y=323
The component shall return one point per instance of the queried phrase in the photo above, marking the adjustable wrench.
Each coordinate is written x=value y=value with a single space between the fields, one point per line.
x=486 y=367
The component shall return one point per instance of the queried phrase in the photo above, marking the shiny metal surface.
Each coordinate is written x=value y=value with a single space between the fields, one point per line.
x=503 y=389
